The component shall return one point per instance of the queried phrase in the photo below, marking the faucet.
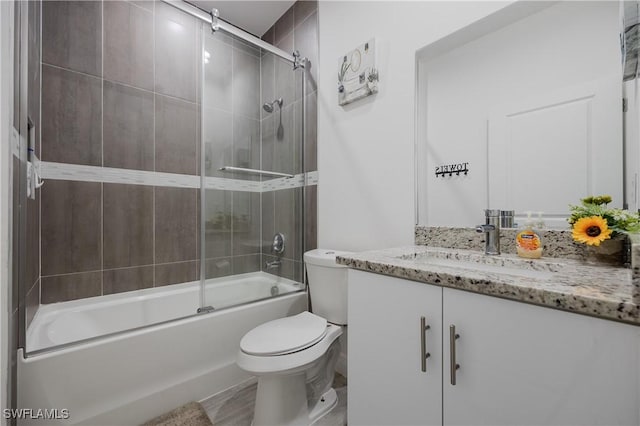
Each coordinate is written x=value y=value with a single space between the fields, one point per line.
x=272 y=265
x=491 y=229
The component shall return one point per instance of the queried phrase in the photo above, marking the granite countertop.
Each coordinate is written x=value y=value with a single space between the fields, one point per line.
x=567 y=284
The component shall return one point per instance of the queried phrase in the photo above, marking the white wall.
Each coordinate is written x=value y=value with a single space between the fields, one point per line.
x=366 y=150
x=6 y=96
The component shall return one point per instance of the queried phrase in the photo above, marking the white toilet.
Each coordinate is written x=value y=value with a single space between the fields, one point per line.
x=295 y=357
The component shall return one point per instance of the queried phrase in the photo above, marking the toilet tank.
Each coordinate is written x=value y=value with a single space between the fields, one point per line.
x=327 y=285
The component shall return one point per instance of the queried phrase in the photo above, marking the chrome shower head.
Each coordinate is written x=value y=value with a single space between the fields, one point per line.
x=268 y=106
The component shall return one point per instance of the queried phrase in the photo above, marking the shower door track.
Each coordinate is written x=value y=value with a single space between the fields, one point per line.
x=231 y=29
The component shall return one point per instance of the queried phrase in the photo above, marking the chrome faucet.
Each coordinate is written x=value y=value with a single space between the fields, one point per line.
x=491 y=229
x=272 y=265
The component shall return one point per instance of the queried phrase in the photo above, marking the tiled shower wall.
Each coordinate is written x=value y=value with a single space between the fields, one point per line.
x=119 y=89
x=297 y=29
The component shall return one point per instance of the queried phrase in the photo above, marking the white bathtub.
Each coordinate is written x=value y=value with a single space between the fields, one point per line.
x=129 y=377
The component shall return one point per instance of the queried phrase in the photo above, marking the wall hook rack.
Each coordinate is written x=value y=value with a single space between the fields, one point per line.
x=451 y=169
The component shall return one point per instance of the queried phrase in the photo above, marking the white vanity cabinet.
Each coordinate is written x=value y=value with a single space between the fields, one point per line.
x=519 y=363
x=525 y=364
x=386 y=383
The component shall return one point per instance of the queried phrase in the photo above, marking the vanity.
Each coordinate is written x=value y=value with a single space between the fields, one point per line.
x=453 y=337
x=528 y=109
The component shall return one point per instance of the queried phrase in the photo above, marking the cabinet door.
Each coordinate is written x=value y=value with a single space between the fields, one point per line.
x=386 y=383
x=528 y=365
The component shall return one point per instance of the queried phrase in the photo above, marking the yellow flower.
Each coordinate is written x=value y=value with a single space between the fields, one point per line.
x=591 y=230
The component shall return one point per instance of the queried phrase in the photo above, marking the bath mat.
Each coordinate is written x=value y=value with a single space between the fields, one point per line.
x=191 y=414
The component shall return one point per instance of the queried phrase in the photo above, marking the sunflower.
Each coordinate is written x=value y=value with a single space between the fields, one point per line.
x=591 y=230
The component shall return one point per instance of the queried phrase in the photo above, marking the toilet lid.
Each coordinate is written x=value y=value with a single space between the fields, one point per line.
x=285 y=335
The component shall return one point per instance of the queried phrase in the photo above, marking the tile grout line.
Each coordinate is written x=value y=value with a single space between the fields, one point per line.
x=141 y=7
x=296 y=126
x=40 y=155
x=305 y=19
x=121 y=268
x=260 y=102
x=232 y=160
x=153 y=190
x=274 y=144
x=199 y=199
x=127 y=85
x=46 y=64
x=102 y=46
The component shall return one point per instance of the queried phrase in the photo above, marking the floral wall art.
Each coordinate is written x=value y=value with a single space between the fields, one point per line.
x=357 y=74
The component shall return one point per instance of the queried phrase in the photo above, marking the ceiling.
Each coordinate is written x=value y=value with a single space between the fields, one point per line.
x=254 y=16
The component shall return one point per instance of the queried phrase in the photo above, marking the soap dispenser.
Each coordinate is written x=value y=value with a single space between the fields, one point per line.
x=528 y=243
x=540 y=225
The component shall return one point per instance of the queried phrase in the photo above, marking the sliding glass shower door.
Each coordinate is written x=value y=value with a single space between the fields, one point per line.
x=252 y=131
x=172 y=161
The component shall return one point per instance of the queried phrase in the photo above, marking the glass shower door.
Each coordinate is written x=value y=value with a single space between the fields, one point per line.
x=250 y=123
x=282 y=152
x=112 y=236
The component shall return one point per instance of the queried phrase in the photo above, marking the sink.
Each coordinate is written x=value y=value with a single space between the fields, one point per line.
x=473 y=261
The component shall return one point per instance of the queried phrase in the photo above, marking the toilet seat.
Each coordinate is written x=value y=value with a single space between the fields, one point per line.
x=285 y=335
x=291 y=362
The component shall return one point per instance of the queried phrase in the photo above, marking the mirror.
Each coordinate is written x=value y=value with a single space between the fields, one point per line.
x=522 y=111
x=631 y=93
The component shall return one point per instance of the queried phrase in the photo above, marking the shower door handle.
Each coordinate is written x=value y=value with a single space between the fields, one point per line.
x=423 y=344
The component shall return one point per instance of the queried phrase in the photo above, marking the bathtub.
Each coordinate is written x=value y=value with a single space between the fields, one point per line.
x=127 y=377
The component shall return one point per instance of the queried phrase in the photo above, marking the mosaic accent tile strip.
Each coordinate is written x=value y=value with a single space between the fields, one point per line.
x=283 y=183
x=81 y=173
x=76 y=172
x=231 y=184
x=313 y=178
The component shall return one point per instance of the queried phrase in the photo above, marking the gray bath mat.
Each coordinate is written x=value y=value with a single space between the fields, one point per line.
x=191 y=414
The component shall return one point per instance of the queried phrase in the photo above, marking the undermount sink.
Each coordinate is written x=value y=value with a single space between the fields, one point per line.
x=471 y=261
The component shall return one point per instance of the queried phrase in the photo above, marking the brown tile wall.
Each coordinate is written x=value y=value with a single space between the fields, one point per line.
x=124 y=92
x=119 y=89
x=297 y=29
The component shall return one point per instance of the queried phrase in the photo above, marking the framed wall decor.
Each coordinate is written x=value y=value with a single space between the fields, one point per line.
x=357 y=73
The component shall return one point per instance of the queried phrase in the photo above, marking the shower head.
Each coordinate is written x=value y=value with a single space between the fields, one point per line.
x=268 y=106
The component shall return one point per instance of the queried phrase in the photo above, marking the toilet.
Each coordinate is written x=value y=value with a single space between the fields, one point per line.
x=294 y=358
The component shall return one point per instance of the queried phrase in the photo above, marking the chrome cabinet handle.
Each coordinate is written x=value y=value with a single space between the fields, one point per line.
x=452 y=353
x=423 y=343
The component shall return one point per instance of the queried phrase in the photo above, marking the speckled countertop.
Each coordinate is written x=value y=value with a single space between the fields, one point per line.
x=566 y=284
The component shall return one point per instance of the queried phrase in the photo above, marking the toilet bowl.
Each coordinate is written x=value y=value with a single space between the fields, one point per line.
x=294 y=358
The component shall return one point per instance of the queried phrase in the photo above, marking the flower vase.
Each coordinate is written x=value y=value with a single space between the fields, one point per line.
x=611 y=251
